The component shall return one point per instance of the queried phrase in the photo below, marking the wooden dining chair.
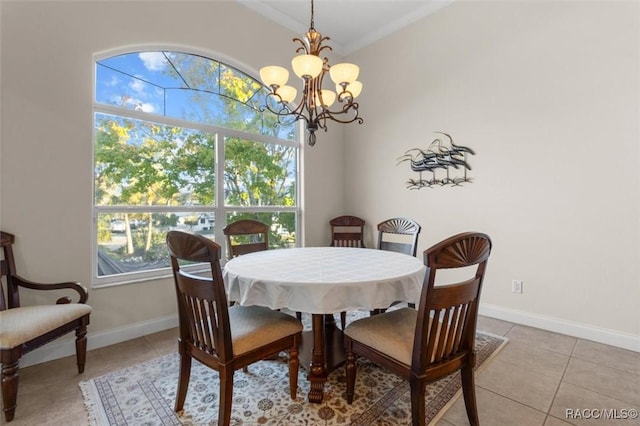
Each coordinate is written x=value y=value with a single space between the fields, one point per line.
x=399 y=234
x=246 y=236
x=223 y=338
x=436 y=340
x=25 y=328
x=347 y=231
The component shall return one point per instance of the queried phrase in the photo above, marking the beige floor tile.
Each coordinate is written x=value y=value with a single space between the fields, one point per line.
x=542 y=339
x=164 y=342
x=609 y=356
x=495 y=410
x=537 y=360
x=519 y=384
x=492 y=325
x=103 y=360
x=617 y=384
x=37 y=377
x=443 y=422
x=553 y=421
x=49 y=405
x=574 y=398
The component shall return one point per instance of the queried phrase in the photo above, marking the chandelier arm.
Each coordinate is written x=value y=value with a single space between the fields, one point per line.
x=335 y=116
x=284 y=111
x=326 y=46
x=304 y=48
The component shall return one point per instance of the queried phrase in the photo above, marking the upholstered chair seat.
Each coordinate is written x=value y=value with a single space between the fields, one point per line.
x=20 y=325
x=391 y=334
x=255 y=326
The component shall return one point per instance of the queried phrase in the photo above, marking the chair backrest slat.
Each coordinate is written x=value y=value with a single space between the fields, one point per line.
x=202 y=301
x=447 y=314
x=347 y=231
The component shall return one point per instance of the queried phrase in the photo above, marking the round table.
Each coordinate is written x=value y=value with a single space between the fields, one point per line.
x=323 y=280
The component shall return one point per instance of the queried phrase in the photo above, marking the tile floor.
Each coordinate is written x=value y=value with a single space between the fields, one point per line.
x=534 y=380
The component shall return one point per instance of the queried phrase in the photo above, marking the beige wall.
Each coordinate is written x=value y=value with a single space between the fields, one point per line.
x=545 y=92
x=46 y=152
x=547 y=95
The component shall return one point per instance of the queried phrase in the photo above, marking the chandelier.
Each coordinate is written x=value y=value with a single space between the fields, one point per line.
x=313 y=108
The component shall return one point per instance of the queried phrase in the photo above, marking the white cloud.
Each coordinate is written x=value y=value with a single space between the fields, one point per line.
x=113 y=82
x=153 y=61
x=146 y=107
x=134 y=103
x=137 y=86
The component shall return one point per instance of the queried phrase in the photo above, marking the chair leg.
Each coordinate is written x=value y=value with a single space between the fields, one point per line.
x=469 y=393
x=299 y=316
x=294 y=365
x=418 y=391
x=183 y=380
x=226 y=395
x=9 y=389
x=350 y=370
x=343 y=319
x=81 y=347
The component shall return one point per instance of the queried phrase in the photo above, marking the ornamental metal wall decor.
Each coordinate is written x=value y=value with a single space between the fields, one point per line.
x=445 y=161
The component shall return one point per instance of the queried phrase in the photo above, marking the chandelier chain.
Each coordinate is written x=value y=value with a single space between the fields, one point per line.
x=311 y=27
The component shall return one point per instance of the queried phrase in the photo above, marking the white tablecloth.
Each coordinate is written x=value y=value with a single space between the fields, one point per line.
x=324 y=280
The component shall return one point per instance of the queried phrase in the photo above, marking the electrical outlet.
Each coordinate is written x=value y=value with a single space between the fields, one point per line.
x=516 y=286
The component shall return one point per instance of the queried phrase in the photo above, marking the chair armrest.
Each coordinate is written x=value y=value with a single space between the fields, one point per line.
x=81 y=290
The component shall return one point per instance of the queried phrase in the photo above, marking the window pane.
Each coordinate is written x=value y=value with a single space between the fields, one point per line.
x=151 y=175
x=282 y=225
x=188 y=87
x=259 y=174
x=135 y=242
x=141 y=163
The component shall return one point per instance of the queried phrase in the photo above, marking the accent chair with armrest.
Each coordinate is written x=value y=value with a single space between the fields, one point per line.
x=436 y=340
x=223 y=338
x=25 y=328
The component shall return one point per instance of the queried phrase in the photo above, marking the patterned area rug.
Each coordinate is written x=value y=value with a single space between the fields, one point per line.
x=144 y=395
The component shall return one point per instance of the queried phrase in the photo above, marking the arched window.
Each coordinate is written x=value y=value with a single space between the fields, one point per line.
x=180 y=142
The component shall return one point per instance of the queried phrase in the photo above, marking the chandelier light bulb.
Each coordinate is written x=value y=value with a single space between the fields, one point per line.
x=274 y=76
x=344 y=73
x=328 y=98
x=355 y=88
x=307 y=66
x=287 y=93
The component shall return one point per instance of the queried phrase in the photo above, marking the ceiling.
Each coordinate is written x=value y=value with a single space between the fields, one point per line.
x=351 y=24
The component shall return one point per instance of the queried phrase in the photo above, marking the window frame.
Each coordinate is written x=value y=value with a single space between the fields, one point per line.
x=220 y=210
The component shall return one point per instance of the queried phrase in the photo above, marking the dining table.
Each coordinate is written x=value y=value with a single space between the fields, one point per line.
x=323 y=281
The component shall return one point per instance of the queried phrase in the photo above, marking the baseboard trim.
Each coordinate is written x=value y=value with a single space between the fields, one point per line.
x=66 y=347
x=597 y=334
